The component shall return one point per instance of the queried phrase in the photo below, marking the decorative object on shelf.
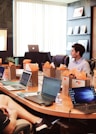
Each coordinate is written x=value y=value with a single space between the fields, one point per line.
x=83 y=29
x=78 y=12
x=70 y=31
x=77 y=30
x=85 y=44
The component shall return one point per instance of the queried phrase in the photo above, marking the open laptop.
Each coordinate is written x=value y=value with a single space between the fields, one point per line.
x=33 y=48
x=83 y=99
x=50 y=88
x=1 y=72
x=21 y=84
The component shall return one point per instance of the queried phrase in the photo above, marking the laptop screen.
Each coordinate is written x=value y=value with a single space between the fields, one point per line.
x=82 y=95
x=51 y=86
x=26 y=75
x=1 y=71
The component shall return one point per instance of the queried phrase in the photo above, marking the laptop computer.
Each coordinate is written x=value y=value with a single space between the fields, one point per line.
x=21 y=84
x=83 y=99
x=1 y=72
x=50 y=88
x=33 y=48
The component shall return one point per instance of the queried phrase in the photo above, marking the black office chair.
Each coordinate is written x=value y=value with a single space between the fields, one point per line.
x=23 y=127
x=60 y=59
x=92 y=63
x=72 y=126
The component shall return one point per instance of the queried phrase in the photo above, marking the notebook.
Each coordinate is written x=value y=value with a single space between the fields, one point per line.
x=83 y=99
x=22 y=84
x=33 y=48
x=50 y=88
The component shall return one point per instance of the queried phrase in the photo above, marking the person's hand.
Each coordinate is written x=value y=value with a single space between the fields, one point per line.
x=4 y=109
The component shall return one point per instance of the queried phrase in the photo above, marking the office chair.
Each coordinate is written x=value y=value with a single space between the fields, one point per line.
x=72 y=126
x=92 y=63
x=60 y=59
x=23 y=127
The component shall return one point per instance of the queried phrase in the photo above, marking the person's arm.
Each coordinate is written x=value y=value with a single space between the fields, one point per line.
x=86 y=68
x=12 y=124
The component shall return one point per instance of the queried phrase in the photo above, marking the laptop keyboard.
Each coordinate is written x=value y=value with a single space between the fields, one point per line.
x=16 y=86
x=93 y=106
x=87 y=108
x=43 y=97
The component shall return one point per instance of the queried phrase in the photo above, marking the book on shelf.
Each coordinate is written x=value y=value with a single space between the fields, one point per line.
x=84 y=43
x=83 y=29
x=78 y=12
x=76 y=29
x=70 y=31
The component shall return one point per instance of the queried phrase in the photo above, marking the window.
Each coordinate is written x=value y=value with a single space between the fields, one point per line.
x=39 y=23
x=3 y=39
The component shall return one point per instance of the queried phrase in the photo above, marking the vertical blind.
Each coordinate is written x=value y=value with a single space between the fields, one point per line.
x=39 y=23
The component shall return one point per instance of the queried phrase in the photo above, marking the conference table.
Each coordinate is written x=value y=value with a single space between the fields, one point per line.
x=64 y=109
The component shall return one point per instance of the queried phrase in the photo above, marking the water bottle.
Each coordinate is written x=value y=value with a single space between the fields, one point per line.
x=58 y=99
x=16 y=61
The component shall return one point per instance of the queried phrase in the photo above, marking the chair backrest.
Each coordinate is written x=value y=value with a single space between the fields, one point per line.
x=22 y=128
x=60 y=59
x=92 y=63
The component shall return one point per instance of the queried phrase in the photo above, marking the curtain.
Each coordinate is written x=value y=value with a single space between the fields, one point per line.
x=39 y=23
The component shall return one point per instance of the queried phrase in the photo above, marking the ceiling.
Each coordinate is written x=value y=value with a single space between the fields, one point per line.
x=62 y=1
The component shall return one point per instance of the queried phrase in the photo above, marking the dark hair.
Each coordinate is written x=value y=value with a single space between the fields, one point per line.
x=80 y=48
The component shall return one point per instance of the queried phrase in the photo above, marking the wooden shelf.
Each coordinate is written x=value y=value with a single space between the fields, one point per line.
x=81 y=26
x=77 y=18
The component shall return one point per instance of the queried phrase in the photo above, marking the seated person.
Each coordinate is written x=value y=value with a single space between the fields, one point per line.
x=10 y=111
x=79 y=62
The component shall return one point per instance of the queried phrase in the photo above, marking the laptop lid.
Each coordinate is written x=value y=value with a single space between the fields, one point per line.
x=82 y=95
x=18 y=85
x=25 y=78
x=33 y=48
x=51 y=86
x=1 y=72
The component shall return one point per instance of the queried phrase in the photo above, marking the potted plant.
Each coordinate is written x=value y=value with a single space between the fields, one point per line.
x=10 y=59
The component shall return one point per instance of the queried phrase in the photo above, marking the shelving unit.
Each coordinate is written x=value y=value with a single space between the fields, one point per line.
x=79 y=29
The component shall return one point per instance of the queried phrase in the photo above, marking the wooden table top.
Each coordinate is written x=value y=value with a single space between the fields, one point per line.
x=65 y=109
